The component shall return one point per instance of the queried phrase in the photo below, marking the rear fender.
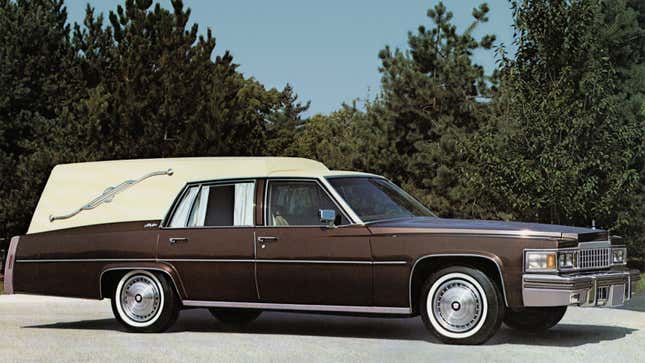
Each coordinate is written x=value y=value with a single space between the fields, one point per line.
x=164 y=268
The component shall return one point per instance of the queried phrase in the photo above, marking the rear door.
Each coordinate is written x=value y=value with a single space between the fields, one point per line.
x=301 y=261
x=209 y=240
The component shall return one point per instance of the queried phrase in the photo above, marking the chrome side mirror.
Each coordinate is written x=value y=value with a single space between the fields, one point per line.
x=327 y=217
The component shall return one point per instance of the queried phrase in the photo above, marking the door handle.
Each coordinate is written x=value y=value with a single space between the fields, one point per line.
x=266 y=239
x=174 y=240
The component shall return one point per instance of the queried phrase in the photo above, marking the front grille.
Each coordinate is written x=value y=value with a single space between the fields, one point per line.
x=594 y=258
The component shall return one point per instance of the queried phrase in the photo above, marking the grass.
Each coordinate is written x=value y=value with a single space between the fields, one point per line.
x=640 y=287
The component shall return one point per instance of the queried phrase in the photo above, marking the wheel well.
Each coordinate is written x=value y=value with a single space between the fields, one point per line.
x=111 y=277
x=427 y=266
x=109 y=280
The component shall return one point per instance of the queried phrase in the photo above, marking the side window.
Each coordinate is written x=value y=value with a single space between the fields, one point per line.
x=216 y=206
x=223 y=205
x=181 y=213
x=296 y=203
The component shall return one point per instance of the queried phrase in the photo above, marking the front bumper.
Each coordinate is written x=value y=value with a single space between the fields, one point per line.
x=600 y=289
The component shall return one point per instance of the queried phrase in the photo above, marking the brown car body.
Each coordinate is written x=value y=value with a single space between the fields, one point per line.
x=360 y=268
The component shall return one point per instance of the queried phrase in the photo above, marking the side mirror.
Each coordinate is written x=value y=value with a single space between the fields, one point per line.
x=327 y=217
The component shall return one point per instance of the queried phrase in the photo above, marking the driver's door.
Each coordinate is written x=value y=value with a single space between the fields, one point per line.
x=301 y=261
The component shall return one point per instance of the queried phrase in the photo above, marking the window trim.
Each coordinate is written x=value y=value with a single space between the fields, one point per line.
x=199 y=184
x=372 y=176
x=338 y=205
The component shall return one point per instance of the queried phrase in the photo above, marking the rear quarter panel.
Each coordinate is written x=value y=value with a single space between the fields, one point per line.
x=69 y=262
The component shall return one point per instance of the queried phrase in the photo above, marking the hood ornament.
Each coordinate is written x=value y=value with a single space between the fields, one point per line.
x=108 y=195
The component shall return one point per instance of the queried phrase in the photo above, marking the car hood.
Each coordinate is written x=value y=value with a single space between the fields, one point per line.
x=450 y=225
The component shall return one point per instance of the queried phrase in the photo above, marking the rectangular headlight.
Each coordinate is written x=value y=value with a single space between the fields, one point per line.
x=568 y=259
x=618 y=256
x=540 y=261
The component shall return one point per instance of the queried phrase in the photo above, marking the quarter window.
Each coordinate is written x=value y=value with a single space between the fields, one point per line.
x=216 y=206
x=183 y=209
x=297 y=203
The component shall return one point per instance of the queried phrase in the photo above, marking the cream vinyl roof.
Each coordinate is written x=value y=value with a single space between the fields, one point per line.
x=72 y=186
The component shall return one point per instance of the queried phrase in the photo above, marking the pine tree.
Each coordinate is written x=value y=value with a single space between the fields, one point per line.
x=430 y=109
x=39 y=86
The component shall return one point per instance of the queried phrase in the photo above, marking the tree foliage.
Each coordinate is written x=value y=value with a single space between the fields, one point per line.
x=143 y=84
x=430 y=110
x=555 y=134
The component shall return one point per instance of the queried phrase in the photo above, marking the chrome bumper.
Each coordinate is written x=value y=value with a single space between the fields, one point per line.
x=600 y=289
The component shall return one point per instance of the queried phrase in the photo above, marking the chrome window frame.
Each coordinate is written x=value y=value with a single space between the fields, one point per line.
x=374 y=176
x=199 y=184
x=320 y=184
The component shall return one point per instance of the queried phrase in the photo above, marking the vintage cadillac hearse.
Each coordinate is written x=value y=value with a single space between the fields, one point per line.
x=242 y=235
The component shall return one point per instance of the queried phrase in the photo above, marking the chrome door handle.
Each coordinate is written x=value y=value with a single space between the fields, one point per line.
x=174 y=240
x=266 y=239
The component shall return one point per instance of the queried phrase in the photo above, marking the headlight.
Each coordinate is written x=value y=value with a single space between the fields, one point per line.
x=540 y=261
x=618 y=256
x=568 y=259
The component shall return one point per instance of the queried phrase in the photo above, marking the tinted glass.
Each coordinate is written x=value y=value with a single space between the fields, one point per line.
x=296 y=203
x=375 y=199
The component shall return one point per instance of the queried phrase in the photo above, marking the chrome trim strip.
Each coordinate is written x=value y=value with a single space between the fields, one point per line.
x=501 y=276
x=481 y=232
x=229 y=260
x=136 y=268
x=299 y=307
x=89 y=260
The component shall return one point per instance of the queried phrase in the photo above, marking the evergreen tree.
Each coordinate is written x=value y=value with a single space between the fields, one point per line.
x=283 y=125
x=39 y=86
x=429 y=110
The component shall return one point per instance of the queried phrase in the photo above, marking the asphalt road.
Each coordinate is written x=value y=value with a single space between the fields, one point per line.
x=54 y=329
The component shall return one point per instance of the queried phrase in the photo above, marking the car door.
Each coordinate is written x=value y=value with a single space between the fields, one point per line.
x=209 y=240
x=301 y=261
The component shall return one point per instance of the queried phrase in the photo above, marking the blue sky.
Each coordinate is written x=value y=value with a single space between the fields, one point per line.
x=328 y=50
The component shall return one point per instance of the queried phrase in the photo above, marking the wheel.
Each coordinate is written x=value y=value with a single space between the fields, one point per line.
x=461 y=305
x=534 y=319
x=145 y=302
x=235 y=316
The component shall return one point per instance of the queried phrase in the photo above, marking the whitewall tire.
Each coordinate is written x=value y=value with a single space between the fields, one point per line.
x=144 y=301
x=461 y=305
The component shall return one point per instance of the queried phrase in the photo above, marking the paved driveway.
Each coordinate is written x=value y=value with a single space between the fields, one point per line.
x=53 y=329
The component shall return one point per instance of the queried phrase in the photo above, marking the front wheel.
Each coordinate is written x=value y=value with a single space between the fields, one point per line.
x=461 y=305
x=534 y=319
x=145 y=302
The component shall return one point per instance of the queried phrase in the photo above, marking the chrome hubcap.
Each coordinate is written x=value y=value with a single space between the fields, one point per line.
x=140 y=298
x=457 y=305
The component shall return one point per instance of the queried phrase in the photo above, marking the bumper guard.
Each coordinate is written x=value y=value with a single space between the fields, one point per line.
x=599 y=289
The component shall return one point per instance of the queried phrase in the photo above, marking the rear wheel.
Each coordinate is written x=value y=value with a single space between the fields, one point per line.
x=145 y=302
x=461 y=305
x=237 y=317
x=534 y=319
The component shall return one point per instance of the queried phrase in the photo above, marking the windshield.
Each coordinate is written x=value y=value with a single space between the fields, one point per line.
x=376 y=199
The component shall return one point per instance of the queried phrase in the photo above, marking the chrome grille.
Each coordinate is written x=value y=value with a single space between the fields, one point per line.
x=594 y=258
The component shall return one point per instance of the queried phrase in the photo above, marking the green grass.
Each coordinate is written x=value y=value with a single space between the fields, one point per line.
x=1 y=287
x=641 y=283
